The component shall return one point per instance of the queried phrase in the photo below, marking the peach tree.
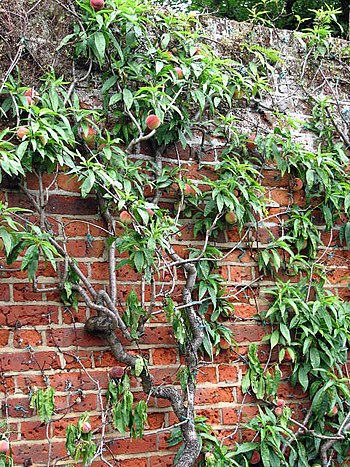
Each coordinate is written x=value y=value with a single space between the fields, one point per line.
x=160 y=84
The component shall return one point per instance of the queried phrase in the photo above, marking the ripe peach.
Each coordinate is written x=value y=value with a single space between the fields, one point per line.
x=189 y=190
x=179 y=72
x=31 y=96
x=230 y=217
x=333 y=412
x=250 y=144
x=97 y=5
x=125 y=218
x=4 y=445
x=22 y=132
x=255 y=459
x=90 y=137
x=278 y=411
x=86 y=427
x=297 y=184
x=116 y=372
x=224 y=345
x=152 y=121
x=280 y=403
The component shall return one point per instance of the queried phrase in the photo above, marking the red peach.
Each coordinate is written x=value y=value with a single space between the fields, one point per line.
x=281 y=402
x=224 y=345
x=22 y=132
x=4 y=445
x=297 y=184
x=179 y=72
x=30 y=96
x=333 y=412
x=125 y=218
x=89 y=137
x=278 y=411
x=116 y=372
x=189 y=190
x=97 y=5
x=250 y=144
x=86 y=427
x=255 y=459
x=152 y=121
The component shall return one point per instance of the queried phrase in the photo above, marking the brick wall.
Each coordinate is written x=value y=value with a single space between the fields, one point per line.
x=42 y=342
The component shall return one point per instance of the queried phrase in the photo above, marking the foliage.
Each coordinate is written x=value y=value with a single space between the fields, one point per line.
x=124 y=414
x=43 y=402
x=79 y=444
x=279 y=13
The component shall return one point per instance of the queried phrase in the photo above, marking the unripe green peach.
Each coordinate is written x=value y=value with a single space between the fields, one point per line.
x=230 y=217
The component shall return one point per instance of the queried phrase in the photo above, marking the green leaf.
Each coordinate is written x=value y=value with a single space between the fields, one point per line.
x=274 y=339
x=139 y=260
x=100 y=46
x=139 y=366
x=128 y=98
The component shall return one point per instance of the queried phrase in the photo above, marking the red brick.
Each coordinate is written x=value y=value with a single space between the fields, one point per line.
x=245 y=310
x=17 y=407
x=240 y=273
x=68 y=183
x=22 y=338
x=126 y=446
x=24 y=292
x=24 y=452
x=33 y=180
x=206 y=374
x=83 y=249
x=213 y=395
x=66 y=337
x=7 y=384
x=33 y=315
x=71 y=316
x=213 y=416
x=75 y=228
x=33 y=430
x=23 y=361
x=158 y=335
x=155 y=421
x=227 y=373
x=273 y=178
x=71 y=205
x=134 y=462
x=162 y=461
x=72 y=358
x=4 y=337
x=249 y=332
x=238 y=414
x=4 y=292
x=282 y=197
x=164 y=356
